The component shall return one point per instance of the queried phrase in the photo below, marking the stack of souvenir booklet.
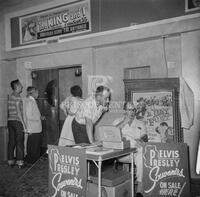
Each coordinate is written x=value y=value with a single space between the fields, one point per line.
x=95 y=149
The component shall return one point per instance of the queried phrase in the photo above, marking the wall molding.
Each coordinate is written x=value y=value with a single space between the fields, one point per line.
x=157 y=29
x=3 y=144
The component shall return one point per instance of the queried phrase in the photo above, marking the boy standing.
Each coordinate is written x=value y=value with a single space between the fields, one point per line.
x=32 y=118
x=15 y=125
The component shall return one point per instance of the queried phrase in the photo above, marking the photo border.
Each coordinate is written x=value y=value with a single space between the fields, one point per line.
x=156 y=92
x=187 y=9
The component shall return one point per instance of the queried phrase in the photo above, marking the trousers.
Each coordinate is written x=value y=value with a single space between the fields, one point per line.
x=15 y=140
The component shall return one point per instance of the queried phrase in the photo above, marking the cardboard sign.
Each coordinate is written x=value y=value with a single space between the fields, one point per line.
x=67 y=172
x=165 y=170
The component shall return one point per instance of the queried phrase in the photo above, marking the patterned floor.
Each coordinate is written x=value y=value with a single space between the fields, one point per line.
x=27 y=182
x=33 y=181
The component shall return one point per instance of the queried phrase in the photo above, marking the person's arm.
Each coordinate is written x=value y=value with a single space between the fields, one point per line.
x=65 y=105
x=62 y=107
x=144 y=137
x=122 y=123
x=70 y=113
x=89 y=129
x=19 y=114
x=31 y=113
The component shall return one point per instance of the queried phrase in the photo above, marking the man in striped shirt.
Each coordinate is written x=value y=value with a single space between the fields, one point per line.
x=15 y=125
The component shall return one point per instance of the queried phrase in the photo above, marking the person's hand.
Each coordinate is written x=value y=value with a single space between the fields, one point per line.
x=97 y=143
x=104 y=109
x=43 y=118
x=123 y=122
x=163 y=139
x=138 y=143
x=126 y=120
x=26 y=131
x=65 y=112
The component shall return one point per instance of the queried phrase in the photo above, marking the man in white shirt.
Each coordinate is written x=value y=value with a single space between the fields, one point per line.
x=135 y=131
x=32 y=118
x=88 y=114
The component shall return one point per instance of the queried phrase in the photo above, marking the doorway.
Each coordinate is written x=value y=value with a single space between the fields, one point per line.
x=68 y=77
x=54 y=86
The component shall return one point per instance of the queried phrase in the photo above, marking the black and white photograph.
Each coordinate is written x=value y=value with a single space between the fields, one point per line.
x=100 y=98
x=192 y=5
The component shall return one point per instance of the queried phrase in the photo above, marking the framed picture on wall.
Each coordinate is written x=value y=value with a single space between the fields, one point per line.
x=157 y=101
x=155 y=108
x=192 y=5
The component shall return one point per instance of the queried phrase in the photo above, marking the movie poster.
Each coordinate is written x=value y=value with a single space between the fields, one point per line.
x=156 y=110
x=67 y=172
x=165 y=170
x=192 y=5
x=66 y=20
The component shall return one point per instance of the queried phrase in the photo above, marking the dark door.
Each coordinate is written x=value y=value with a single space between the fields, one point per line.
x=67 y=79
x=47 y=83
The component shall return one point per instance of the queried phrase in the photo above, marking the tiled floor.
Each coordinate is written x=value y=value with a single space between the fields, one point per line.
x=195 y=187
x=27 y=182
x=33 y=182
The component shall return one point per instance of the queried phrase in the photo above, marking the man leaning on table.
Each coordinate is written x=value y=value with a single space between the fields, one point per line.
x=89 y=112
x=135 y=131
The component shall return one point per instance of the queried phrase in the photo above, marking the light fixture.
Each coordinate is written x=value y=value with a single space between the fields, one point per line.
x=78 y=72
x=34 y=75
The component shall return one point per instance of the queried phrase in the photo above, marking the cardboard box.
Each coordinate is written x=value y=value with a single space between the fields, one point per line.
x=121 y=190
x=112 y=177
x=117 y=145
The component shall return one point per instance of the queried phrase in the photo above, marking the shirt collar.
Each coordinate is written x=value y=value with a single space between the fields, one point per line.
x=131 y=123
x=15 y=94
x=31 y=97
x=95 y=101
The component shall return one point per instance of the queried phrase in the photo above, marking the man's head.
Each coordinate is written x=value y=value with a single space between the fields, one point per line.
x=76 y=91
x=103 y=95
x=163 y=124
x=16 y=86
x=32 y=91
x=130 y=110
x=162 y=128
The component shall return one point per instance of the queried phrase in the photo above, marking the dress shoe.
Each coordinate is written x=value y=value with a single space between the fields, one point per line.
x=22 y=166
x=139 y=195
x=11 y=165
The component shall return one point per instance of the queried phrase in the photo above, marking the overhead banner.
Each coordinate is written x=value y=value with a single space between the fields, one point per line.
x=165 y=170
x=67 y=172
x=66 y=20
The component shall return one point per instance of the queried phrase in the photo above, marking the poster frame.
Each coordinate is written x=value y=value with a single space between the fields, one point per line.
x=191 y=6
x=154 y=85
x=159 y=104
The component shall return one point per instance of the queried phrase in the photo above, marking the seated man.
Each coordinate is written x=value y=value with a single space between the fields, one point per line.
x=135 y=131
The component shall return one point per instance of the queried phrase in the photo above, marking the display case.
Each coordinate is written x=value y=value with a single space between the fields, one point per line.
x=157 y=101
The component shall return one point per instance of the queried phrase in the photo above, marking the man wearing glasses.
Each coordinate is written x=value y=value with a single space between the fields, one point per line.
x=135 y=131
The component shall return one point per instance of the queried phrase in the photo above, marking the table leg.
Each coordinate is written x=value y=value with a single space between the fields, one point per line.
x=99 y=177
x=132 y=175
x=88 y=168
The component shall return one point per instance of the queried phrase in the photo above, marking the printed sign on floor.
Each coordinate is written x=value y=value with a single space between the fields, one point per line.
x=165 y=170
x=67 y=172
